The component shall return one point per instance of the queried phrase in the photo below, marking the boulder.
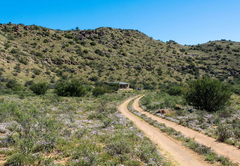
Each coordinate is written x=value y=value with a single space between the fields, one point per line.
x=162 y=111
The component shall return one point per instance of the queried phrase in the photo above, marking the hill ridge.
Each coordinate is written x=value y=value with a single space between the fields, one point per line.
x=30 y=52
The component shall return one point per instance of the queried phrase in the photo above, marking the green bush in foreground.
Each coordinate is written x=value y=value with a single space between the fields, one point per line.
x=39 y=88
x=70 y=88
x=208 y=94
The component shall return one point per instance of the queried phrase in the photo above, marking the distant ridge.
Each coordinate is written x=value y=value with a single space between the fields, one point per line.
x=108 y=54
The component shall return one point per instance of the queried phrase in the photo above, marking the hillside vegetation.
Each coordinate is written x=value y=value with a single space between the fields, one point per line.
x=107 y=54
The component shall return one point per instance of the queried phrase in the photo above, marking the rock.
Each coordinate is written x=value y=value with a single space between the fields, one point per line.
x=190 y=110
x=26 y=28
x=162 y=111
x=178 y=107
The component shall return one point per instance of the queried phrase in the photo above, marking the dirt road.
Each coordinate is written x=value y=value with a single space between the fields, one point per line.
x=174 y=151
x=229 y=151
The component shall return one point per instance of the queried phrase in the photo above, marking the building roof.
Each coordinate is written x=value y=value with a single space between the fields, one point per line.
x=121 y=83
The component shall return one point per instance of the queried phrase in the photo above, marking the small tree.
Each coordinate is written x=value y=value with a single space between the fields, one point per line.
x=39 y=88
x=208 y=94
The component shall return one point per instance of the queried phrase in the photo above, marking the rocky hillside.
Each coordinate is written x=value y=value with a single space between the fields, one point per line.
x=107 y=54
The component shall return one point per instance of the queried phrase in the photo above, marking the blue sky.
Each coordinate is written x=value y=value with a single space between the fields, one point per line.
x=184 y=21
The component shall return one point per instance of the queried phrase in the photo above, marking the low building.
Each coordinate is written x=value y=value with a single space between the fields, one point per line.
x=123 y=85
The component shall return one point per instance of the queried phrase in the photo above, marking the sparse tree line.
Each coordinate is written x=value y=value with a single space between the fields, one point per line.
x=206 y=93
x=70 y=88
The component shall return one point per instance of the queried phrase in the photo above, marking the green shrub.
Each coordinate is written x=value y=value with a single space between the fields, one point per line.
x=17 y=68
x=112 y=87
x=94 y=78
x=124 y=54
x=149 y=86
x=182 y=50
x=93 y=43
x=20 y=159
x=69 y=36
x=85 y=51
x=39 y=88
x=208 y=94
x=223 y=133
x=79 y=52
x=45 y=41
x=39 y=54
x=175 y=90
x=236 y=89
x=23 y=61
x=99 y=52
x=83 y=43
x=98 y=91
x=36 y=71
x=14 y=85
x=118 y=147
x=70 y=88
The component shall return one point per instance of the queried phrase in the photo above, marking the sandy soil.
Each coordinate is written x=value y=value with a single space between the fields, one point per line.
x=229 y=151
x=168 y=147
x=2 y=159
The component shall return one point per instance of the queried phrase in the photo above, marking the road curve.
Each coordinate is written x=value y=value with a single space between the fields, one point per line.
x=180 y=154
x=223 y=149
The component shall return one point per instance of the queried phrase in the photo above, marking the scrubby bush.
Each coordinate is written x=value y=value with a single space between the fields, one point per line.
x=23 y=61
x=69 y=36
x=70 y=88
x=36 y=71
x=208 y=94
x=99 y=52
x=236 y=89
x=39 y=54
x=112 y=87
x=118 y=147
x=85 y=51
x=93 y=43
x=45 y=41
x=17 y=68
x=20 y=159
x=223 y=133
x=161 y=100
x=105 y=88
x=99 y=91
x=39 y=88
x=94 y=78
x=149 y=86
x=14 y=85
x=174 y=90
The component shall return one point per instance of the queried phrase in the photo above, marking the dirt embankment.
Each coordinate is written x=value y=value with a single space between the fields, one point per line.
x=220 y=148
x=170 y=148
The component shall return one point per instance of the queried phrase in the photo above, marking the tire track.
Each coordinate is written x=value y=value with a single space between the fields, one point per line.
x=180 y=154
x=220 y=148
